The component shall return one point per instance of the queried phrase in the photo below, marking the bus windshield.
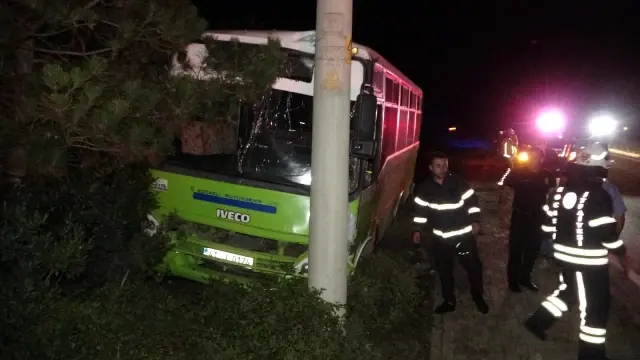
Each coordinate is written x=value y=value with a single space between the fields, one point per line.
x=278 y=143
x=272 y=143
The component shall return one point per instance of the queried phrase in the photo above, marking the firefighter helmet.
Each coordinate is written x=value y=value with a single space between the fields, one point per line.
x=595 y=154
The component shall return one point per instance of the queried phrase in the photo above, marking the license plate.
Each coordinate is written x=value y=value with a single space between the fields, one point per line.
x=227 y=256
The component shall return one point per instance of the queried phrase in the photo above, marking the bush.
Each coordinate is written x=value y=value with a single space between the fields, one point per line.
x=145 y=320
x=86 y=104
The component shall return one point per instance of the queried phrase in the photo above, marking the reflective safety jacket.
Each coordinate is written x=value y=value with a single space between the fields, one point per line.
x=447 y=209
x=580 y=222
x=509 y=146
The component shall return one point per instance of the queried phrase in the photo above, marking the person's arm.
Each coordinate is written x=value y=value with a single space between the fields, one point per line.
x=471 y=205
x=619 y=208
x=418 y=213
x=611 y=229
x=507 y=183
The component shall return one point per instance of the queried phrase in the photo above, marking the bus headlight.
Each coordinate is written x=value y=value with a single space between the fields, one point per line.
x=302 y=266
x=152 y=225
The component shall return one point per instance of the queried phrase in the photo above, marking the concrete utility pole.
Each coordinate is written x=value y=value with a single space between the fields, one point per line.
x=328 y=243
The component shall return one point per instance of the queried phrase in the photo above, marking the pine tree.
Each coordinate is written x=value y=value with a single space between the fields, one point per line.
x=89 y=81
x=87 y=105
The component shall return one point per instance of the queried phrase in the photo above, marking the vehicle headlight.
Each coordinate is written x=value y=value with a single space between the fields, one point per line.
x=523 y=157
x=302 y=266
x=602 y=125
x=152 y=225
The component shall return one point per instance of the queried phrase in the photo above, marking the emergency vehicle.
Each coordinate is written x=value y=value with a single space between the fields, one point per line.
x=253 y=198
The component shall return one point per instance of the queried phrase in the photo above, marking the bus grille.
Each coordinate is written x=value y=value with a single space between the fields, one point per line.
x=262 y=245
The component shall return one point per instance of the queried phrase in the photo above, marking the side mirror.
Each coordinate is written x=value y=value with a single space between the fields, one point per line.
x=363 y=143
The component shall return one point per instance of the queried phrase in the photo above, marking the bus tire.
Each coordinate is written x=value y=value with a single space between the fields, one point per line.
x=376 y=239
x=367 y=249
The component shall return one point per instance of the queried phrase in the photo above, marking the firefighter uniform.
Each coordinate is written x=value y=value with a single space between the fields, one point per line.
x=447 y=211
x=578 y=218
x=525 y=237
x=509 y=146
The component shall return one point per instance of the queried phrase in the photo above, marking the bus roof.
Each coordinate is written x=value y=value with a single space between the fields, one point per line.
x=305 y=41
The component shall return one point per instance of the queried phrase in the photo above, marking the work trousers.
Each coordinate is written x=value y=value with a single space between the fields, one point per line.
x=525 y=240
x=592 y=287
x=445 y=251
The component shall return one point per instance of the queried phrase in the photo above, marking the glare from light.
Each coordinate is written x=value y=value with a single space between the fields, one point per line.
x=602 y=125
x=452 y=128
x=551 y=121
x=626 y=128
x=305 y=179
x=523 y=157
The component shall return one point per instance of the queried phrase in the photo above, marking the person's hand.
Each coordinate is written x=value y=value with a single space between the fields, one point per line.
x=416 y=237
x=475 y=228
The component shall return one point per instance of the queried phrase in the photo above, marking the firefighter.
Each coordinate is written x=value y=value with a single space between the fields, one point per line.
x=447 y=207
x=580 y=222
x=530 y=184
x=509 y=145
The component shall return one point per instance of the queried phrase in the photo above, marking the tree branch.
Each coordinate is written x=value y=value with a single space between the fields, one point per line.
x=71 y=53
x=92 y=4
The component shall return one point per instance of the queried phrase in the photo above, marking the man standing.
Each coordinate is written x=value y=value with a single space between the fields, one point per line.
x=531 y=184
x=508 y=146
x=447 y=206
x=579 y=220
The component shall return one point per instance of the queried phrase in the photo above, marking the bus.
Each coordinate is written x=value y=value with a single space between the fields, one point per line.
x=250 y=199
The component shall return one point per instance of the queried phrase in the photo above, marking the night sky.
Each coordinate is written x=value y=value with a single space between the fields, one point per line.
x=484 y=64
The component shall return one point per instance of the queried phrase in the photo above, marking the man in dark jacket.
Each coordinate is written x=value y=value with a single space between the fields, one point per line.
x=447 y=207
x=530 y=184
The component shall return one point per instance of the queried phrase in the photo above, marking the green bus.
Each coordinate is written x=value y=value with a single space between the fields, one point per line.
x=250 y=197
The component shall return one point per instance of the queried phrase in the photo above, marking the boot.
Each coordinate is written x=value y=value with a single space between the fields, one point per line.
x=529 y=285
x=587 y=351
x=445 y=307
x=539 y=322
x=481 y=304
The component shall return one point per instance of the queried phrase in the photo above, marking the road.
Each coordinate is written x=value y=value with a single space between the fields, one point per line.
x=468 y=335
x=625 y=174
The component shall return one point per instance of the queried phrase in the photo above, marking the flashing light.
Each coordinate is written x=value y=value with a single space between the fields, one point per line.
x=453 y=128
x=551 y=121
x=602 y=125
x=523 y=157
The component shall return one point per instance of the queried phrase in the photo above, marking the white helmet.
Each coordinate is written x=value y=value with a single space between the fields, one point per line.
x=596 y=154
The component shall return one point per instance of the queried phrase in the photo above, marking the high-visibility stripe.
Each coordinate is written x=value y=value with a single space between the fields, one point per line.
x=449 y=234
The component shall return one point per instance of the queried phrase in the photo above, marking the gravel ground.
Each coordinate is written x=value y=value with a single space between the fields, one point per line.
x=466 y=334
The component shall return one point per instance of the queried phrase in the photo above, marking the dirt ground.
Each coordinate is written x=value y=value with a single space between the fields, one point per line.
x=466 y=334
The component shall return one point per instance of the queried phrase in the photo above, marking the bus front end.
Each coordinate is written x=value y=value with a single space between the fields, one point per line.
x=241 y=212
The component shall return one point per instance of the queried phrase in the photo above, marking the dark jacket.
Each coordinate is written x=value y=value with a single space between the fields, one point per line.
x=447 y=210
x=530 y=191
x=580 y=222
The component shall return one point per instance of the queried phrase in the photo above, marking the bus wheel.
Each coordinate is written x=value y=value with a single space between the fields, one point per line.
x=368 y=249
x=375 y=241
